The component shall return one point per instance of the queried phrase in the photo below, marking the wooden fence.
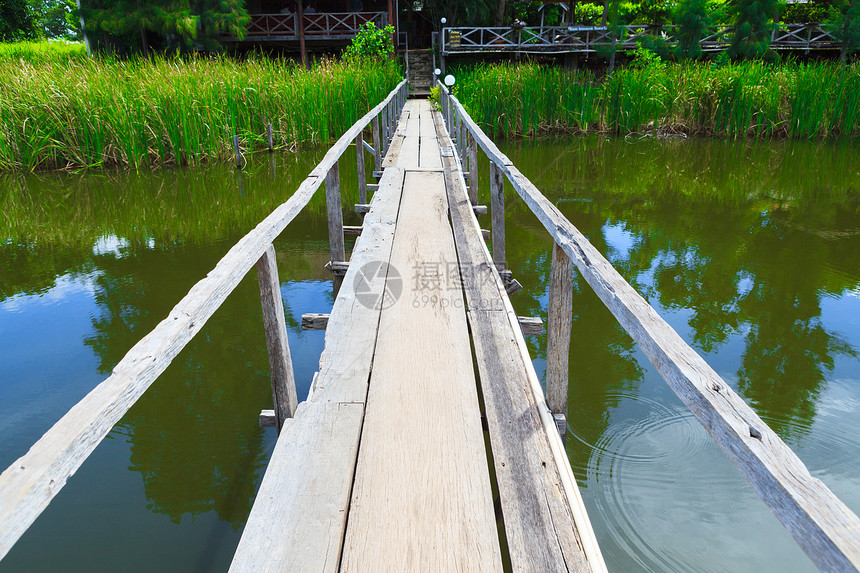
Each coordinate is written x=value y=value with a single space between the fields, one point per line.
x=32 y=481
x=590 y=39
x=317 y=26
x=825 y=528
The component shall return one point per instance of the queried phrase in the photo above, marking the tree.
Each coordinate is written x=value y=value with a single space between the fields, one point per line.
x=18 y=21
x=176 y=24
x=755 y=21
x=843 y=22
x=693 y=18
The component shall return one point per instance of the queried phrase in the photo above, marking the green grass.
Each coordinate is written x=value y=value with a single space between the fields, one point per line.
x=46 y=51
x=83 y=112
x=747 y=99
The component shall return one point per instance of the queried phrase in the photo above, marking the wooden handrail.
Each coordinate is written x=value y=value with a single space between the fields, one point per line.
x=560 y=39
x=31 y=482
x=824 y=527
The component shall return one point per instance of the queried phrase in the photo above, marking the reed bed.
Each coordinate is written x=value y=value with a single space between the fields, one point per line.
x=85 y=112
x=746 y=99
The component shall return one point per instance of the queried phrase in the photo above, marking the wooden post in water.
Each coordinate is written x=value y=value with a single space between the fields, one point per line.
x=377 y=150
x=559 y=322
x=269 y=137
x=236 y=149
x=359 y=162
x=280 y=363
x=335 y=221
x=473 y=169
x=497 y=206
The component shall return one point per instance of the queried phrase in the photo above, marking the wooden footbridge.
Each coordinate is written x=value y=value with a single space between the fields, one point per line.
x=426 y=442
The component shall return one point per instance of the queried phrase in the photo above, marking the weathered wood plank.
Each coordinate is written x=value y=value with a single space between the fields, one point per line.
x=824 y=527
x=352 y=229
x=473 y=168
x=377 y=146
x=359 y=164
x=560 y=319
x=530 y=325
x=310 y=474
x=545 y=532
x=280 y=363
x=312 y=467
x=421 y=499
x=314 y=321
x=497 y=209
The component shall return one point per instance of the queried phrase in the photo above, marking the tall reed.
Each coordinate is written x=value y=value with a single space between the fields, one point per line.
x=747 y=99
x=106 y=111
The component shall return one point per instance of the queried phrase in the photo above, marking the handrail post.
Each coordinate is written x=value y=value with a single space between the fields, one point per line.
x=335 y=221
x=280 y=362
x=497 y=212
x=377 y=150
x=559 y=323
x=473 y=168
x=359 y=165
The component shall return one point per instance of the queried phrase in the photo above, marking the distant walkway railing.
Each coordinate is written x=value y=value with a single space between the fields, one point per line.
x=318 y=26
x=590 y=39
x=31 y=482
x=824 y=527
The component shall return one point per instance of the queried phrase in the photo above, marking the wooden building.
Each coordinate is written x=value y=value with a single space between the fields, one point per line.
x=321 y=23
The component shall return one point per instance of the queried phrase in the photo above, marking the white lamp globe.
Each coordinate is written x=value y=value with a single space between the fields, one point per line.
x=449 y=80
x=437 y=72
x=444 y=20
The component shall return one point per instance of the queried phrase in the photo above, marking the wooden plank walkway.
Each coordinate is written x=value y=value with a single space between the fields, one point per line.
x=386 y=467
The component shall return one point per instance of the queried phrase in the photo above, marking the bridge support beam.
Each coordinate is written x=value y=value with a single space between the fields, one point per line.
x=497 y=212
x=335 y=220
x=359 y=162
x=280 y=362
x=560 y=321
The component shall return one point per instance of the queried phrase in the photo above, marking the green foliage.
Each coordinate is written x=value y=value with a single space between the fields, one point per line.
x=802 y=13
x=755 y=21
x=436 y=97
x=139 y=111
x=175 y=24
x=843 y=21
x=18 y=21
x=745 y=99
x=644 y=58
x=694 y=18
x=371 y=43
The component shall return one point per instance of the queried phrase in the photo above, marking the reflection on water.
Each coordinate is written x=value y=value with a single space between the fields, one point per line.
x=751 y=252
x=90 y=264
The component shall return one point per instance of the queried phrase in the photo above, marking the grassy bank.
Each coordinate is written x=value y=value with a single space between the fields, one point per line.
x=95 y=112
x=748 y=99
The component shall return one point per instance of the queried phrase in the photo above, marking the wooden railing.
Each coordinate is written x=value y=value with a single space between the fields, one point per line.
x=824 y=527
x=32 y=481
x=319 y=26
x=589 y=39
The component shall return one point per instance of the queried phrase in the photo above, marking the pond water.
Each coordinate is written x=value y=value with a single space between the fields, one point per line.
x=750 y=250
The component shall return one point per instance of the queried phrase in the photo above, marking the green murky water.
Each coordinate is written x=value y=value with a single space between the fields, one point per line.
x=751 y=251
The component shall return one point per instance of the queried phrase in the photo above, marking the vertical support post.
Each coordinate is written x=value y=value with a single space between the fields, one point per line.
x=377 y=150
x=385 y=131
x=280 y=362
x=269 y=137
x=359 y=162
x=497 y=212
x=236 y=149
x=473 y=168
x=300 y=26
x=335 y=220
x=560 y=320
